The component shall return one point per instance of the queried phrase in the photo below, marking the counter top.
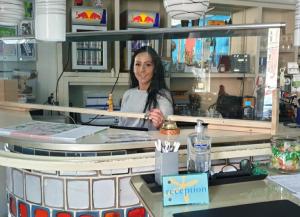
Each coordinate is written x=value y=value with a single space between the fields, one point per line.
x=100 y=141
x=220 y=196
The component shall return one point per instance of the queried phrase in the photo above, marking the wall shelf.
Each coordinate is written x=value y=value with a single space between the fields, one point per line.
x=214 y=75
x=160 y=33
x=174 y=33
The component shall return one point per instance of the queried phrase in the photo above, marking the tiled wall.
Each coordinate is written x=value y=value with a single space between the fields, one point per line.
x=73 y=194
x=105 y=193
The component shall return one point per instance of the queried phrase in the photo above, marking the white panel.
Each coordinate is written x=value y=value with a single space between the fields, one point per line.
x=143 y=169
x=114 y=171
x=45 y=172
x=33 y=189
x=78 y=173
x=18 y=183
x=54 y=192
x=126 y=193
x=9 y=179
x=78 y=194
x=104 y=193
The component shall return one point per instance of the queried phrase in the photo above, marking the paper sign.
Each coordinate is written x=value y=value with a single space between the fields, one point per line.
x=185 y=189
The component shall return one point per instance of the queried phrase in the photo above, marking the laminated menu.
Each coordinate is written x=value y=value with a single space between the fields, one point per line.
x=50 y=131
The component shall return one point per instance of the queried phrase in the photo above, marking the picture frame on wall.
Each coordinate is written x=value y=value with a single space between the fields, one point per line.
x=29 y=9
x=8 y=51
x=26 y=50
x=26 y=28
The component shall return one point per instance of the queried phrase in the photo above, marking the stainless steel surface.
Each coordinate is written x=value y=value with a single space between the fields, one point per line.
x=220 y=196
x=168 y=33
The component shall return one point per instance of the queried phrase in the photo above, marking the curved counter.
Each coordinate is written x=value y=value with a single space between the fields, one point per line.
x=91 y=177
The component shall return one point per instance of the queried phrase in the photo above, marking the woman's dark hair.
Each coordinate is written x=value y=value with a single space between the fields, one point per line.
x=157 y=83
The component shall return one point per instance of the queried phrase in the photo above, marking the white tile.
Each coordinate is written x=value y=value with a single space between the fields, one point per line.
x=33 y=188
x=78 y=194
x=9 y=183
x=18 y=183
x=114 y=171
x=126 y=193
x=48 y=172
x=143 y=169
x=104 y=193
x=78 y=173
x=54 y=192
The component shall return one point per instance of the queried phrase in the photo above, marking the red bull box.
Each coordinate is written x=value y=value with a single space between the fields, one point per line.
x=89 y=16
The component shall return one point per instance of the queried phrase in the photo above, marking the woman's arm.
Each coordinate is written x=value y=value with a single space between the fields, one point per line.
x=165 y=108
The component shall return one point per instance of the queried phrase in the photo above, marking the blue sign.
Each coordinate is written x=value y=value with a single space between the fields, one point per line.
x=185 y=189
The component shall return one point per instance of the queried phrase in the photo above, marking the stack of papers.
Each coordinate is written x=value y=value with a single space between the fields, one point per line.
x=290 y=182
x=50 y=131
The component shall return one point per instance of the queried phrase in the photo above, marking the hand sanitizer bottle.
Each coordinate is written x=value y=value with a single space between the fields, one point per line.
x=198 y=147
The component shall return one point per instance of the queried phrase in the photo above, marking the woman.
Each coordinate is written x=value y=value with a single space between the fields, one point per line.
x=148 y=93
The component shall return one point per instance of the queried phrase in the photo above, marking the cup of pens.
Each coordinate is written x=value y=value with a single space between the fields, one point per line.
x=166 y=153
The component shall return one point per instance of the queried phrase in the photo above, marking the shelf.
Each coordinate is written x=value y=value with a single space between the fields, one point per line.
x=160 y=33
x=214 y=75
x=95 y=74
x=94 y=78
x=173 y=33
x=280 y=51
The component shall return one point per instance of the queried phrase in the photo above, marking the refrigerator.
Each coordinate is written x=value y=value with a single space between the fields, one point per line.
x=89 y=55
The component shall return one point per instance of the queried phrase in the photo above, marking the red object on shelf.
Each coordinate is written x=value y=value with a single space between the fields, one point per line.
x=78 y=2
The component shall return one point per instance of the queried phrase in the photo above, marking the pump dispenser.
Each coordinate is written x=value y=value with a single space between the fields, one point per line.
x=199 y=145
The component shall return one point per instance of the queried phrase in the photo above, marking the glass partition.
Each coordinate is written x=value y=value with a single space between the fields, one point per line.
x=224 y=71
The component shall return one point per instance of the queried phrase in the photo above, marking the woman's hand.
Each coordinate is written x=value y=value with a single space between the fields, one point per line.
x=156 y=117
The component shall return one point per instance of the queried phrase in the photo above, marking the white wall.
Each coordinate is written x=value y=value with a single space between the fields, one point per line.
x=47 y=66
x=3 y=207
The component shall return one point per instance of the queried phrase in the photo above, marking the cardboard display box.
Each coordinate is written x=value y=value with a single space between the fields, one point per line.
x=8 y=90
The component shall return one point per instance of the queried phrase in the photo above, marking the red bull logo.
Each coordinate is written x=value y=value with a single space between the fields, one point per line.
x=142 y=19
x=88 y=15
x=149 y=20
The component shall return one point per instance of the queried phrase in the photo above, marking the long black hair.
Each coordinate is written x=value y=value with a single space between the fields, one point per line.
x=157 y=84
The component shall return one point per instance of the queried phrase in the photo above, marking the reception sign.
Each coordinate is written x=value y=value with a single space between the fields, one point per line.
x=185 y=189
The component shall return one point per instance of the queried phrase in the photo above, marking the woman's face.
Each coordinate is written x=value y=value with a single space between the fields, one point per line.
x=143 y=69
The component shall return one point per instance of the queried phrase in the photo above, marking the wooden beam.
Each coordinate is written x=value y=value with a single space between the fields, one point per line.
x=223 y=122
x=13 y=106
x=275 y=112
x=215 y=123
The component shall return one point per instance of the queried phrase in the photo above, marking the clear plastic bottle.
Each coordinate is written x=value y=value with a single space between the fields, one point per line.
x=199 y=147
